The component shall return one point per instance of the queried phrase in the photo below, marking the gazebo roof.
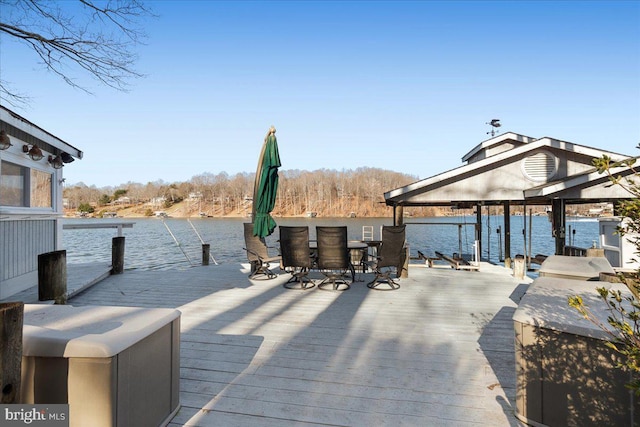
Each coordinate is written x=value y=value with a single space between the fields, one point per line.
x=519 y=169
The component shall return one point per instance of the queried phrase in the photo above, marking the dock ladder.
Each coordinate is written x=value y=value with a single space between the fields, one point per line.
x=367 y=232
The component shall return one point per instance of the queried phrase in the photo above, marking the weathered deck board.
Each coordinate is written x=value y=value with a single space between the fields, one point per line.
x=438 y=352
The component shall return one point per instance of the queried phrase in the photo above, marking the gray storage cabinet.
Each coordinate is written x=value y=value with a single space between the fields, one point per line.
x=114 y=366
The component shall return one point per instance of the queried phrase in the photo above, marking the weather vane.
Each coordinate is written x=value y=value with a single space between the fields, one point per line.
x=495 y=124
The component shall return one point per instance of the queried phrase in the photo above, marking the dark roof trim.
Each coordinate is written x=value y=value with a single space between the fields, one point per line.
x=26 y=126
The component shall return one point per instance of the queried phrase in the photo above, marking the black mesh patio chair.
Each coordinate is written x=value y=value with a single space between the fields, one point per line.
x=296 y=258
x=333 y=258
x=258 y=255
x=389 y=259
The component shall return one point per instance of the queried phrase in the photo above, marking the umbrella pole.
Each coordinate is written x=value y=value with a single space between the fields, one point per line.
x=257 y=183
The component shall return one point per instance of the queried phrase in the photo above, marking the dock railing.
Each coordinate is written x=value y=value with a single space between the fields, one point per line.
x=117 y=225
x=117 y=243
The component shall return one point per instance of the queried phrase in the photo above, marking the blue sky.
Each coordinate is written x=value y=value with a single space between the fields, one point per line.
x=403 y=86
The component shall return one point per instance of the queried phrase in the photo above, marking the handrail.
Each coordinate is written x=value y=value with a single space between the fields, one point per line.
x=118 y=225
x=440 y=223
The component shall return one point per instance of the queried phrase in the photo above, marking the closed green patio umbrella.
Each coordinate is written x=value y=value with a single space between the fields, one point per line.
x=266 y=186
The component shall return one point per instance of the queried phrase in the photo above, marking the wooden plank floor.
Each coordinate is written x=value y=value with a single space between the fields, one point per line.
x=437 y=352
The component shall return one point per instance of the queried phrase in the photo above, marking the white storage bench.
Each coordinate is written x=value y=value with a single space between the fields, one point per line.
x=575 y=267
x=114 y=366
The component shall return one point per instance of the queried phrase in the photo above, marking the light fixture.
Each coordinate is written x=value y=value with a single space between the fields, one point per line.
x=5 y=142
x=66 y=157
x=34 y=152
x=56 y=162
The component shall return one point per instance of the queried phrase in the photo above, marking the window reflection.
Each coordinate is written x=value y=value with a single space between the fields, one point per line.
x=40 y=189
x=12 y=184
x=24 y=187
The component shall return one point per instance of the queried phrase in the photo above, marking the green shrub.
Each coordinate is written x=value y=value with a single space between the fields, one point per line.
x=623 y=321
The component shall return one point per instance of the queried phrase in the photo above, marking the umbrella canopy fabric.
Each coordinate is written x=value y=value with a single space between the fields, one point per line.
x=266 y=186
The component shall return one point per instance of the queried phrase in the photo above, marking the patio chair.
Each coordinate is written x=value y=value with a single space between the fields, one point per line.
x=389 y=259
x=333 y=257
x=258 y=255
x=296 y=259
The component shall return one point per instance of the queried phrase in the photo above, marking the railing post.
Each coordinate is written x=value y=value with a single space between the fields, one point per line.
x=52 y=276
x=518 y=267
x=117 y=255
x=404 y=270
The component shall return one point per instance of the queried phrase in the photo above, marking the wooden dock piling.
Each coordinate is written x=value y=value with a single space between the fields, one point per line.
x=117 y=255
x=206 y=250
x=11 y=320
x=52 y=276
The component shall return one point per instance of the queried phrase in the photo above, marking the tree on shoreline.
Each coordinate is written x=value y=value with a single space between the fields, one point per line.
x=327 y=192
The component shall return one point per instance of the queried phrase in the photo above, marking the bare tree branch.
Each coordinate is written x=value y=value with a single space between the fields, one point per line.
x=95 y=37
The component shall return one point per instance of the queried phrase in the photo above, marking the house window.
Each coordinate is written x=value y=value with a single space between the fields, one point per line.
x=40 y=194
x=21 y=186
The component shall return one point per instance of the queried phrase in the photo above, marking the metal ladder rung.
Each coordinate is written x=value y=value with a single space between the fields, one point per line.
x=367 y=232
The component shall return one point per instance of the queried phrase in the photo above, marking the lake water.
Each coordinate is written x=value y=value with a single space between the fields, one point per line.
x=154 y=244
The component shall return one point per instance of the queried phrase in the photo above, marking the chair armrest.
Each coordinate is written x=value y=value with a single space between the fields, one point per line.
x=253 y=253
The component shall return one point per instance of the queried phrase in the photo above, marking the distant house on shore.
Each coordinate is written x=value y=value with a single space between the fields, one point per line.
x=31 y=208
x=124 y=200
x=157 y=201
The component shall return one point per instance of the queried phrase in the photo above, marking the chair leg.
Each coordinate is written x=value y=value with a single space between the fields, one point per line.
x=334 y=279
x=254 y=268
x=383 y=278
x=258 y=269
x=299 y=280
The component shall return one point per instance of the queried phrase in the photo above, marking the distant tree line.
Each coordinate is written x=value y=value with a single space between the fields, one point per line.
x=327 y=192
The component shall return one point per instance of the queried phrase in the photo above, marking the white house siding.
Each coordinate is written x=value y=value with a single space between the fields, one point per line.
x=27 y=230
x=20 y=244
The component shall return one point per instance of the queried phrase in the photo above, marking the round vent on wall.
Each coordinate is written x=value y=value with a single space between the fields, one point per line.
x=541 y=166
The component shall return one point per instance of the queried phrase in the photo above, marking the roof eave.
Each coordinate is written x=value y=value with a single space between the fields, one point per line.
x=25 y=125
x=515 y=152
x=577 y=180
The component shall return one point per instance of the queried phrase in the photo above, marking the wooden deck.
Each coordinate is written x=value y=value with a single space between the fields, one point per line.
x=437 y=352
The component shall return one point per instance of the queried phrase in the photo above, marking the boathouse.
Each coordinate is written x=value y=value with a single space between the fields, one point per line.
x=513 y=169
x=31 y=182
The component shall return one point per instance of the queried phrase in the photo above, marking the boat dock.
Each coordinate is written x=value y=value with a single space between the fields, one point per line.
x=437 y=352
